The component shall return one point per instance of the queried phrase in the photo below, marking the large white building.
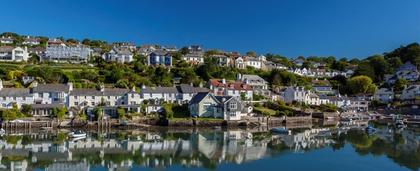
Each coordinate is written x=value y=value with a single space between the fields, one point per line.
x=63 y=53
x=9 y=53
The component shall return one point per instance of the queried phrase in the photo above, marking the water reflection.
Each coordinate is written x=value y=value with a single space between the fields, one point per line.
x=198 y=149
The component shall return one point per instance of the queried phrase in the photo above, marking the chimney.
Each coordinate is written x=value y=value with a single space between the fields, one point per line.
x=223 y=81
x=201 y=84
x=133 y=88
x=70 y=84
x=143 y=87
x=191 y=84
x=1 y=84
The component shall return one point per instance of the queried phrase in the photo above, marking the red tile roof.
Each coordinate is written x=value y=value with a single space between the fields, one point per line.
x=234 y=85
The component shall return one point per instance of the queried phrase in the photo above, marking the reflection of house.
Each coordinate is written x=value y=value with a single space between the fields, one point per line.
x=208 y=105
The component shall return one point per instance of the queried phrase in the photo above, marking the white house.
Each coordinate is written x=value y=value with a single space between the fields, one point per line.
x=31 y=41
x=120 y=55
x=194 y=58
x=208 y=105
x=157 y=94
x=51 y=93
x=411 y=92
x=222 y=60
x=384 y=95
x=11 y=96
x=63 y=53
x=299 y=94
x=9 y=53
x=258 y=84
x=6 y=40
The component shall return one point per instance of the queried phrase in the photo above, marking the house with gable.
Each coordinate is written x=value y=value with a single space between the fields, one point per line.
x=208 y=105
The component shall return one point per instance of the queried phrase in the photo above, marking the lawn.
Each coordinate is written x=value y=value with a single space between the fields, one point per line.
x=265 y=111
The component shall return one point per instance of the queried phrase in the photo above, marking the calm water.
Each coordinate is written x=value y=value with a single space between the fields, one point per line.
x=304 y=149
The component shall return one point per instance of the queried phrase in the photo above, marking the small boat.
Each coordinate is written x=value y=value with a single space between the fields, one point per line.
x=281 y=130
x=77 y=134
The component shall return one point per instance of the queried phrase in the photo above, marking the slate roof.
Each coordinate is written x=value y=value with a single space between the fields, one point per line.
x=51 y=88
x=15 y=92
x=123 y=51
x=46 y=106
x=185 y=88
x=230 y=85
x=160 y=90
x=198 y=97
x=254 y=79
x=6 y=48
x=95 y=92
x=160 y=52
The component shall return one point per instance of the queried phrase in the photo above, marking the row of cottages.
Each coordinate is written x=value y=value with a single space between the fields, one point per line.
x=408 y=71
x=181 y=94
x=384 y=95
x=31 y=41
x=209 y=105
x=6 y=40
x=160 y=58
x=120 y=55
x=221 y=87
x=45 y=97
x=319 y=73
x=194 y=58
x=16 y=54
x=57 y=51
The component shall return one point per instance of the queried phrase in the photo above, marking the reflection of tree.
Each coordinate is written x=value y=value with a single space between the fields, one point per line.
x=394 y=149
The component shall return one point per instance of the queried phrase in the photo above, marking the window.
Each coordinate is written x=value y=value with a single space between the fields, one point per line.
x=75 y=97
x=232 y=105
x=93 y=103
x=232 y=113
x=93 y=97
x=40 y=95
x=76 y=103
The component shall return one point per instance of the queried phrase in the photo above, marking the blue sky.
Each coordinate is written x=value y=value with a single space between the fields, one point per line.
x=342 y=28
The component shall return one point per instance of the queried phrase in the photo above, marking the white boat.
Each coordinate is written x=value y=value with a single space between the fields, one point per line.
x=77 y=134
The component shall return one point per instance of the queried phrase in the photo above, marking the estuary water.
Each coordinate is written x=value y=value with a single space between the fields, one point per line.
x=213 y=149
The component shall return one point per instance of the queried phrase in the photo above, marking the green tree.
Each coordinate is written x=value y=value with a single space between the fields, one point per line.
x=121 y=113
x=97 y=112
x=167 y=110
x=400 y=84
x=361 y=84
x=26 y=109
